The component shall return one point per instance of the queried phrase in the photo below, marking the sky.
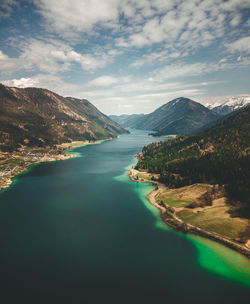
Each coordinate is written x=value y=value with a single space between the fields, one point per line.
x=127 y=56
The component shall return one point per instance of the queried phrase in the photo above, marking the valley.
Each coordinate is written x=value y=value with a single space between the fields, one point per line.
x=199 y=176
x=124 y=151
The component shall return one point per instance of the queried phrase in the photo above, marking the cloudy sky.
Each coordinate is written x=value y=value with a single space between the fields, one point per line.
x=127 y=56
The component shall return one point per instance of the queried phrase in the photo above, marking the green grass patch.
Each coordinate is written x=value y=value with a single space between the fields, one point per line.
x=144 y=176
x=214 y=220
x=172 y=202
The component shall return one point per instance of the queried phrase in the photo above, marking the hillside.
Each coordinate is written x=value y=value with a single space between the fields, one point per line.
x=179 y=116
x=38 y=117
x=218 y=155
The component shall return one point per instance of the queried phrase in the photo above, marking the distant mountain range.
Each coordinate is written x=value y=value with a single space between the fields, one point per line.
x=230 y=105
x=178 y=116
x=39 y=117
x=128 y=121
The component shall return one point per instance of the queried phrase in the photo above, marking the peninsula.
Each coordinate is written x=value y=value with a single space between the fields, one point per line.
x=174 y=204
x=203 y=181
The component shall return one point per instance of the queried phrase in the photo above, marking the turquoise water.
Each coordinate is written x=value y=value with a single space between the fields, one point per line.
x=211 y=255
x=79 y=231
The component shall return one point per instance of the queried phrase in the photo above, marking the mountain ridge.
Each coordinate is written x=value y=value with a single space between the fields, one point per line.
x=39 y=117
x=178 y=116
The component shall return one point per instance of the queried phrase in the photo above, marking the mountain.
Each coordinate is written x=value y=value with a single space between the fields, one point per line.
x=178 y=116
x=39 y=117
x=218 y=155
x=127 y=121
x=230 y=105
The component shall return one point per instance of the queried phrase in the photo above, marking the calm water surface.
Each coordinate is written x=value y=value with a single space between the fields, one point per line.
x=79 y=231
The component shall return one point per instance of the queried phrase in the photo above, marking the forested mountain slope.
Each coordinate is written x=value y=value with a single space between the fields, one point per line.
x=178 y=116
x=39 y=117
x=218 y=155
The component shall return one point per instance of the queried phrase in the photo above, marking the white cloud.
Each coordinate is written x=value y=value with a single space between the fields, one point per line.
x=189 y=25
x=6 y=63
x=103 y=81
x=84 y=15
x=46 y=81
x=240 y=45
x=159 y=20
x=77 y=15
x=231 y=5
x=53 y=56
x=21 y=83
x=183 y=70
x=160 y=56
x=235 y=20
x=179 y=25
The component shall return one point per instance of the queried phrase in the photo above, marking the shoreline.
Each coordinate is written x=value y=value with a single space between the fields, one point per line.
x=167 y=214
x=61 y=152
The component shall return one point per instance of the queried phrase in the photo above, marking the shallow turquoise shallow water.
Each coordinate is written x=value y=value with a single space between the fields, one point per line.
x=79 y=231
x=211 y=256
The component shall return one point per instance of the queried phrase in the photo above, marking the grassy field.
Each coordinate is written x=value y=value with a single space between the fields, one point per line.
x=216 y=219
x=144 y=176
x=164 y=196
x=213 y=218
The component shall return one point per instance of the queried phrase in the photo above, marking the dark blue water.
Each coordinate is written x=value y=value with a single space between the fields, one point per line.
x=71 y=232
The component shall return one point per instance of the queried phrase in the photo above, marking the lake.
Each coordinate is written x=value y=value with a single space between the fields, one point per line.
x=79 y=231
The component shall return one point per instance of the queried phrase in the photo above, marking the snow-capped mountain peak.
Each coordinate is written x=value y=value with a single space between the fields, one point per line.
x=230 y=104
x=238 y=102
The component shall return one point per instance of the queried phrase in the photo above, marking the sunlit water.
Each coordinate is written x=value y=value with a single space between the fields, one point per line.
x=79 y=231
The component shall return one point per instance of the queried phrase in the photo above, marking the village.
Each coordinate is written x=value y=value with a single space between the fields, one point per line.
x=16 y=163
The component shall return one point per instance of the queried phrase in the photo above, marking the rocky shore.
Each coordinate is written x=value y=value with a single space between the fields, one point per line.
x=168 y=215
